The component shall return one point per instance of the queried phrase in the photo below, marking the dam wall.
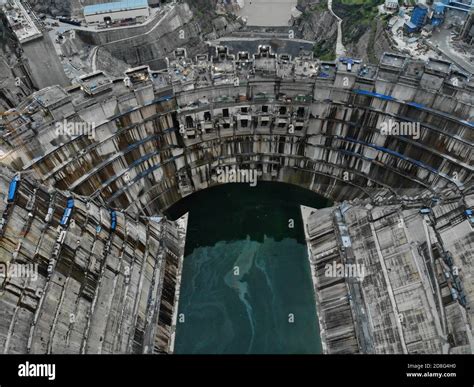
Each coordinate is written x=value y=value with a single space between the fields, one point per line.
x=165 y=136
x=141 y=143
x=404 y=291
x=83 y=282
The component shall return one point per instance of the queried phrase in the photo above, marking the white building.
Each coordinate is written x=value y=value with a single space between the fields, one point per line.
x=119 y=10
x=391 y=5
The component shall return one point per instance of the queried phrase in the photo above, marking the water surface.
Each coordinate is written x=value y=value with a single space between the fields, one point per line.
x=267 y=13
x=246 y=285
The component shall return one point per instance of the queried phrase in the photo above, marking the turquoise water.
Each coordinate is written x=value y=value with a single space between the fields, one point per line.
x=246 y=285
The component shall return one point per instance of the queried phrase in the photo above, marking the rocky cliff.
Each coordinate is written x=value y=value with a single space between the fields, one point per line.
x=317 y=24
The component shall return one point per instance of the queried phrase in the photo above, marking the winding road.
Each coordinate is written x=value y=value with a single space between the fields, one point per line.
x=340 y=49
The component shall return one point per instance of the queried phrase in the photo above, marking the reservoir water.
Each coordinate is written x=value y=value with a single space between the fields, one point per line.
x=267 y=13
x=246 y=283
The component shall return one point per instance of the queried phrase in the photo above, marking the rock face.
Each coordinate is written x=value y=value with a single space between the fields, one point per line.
x=380 y=41
x=150 y=44
x=362 y=29
x=110 y=64
x=53 y=7
x=89 y=285
x=371 y=45
x=317 y=24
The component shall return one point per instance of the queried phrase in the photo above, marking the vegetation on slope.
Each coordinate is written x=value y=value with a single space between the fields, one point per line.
x=318 y=24
x=357 y=17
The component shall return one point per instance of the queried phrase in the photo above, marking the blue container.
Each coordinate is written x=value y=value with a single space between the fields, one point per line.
x=418 y=17
x=13 y=188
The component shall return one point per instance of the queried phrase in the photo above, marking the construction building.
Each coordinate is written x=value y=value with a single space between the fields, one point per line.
x=116 y=11
x=418 y=18
x=391 y=5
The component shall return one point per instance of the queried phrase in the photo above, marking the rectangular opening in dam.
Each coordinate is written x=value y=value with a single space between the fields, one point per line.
x=246 y=282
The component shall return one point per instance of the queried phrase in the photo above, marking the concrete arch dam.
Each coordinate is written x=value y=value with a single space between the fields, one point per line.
x=138 y=145
x=150 y=149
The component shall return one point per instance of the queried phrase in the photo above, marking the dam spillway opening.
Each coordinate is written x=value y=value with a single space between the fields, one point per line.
x=246 y=284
